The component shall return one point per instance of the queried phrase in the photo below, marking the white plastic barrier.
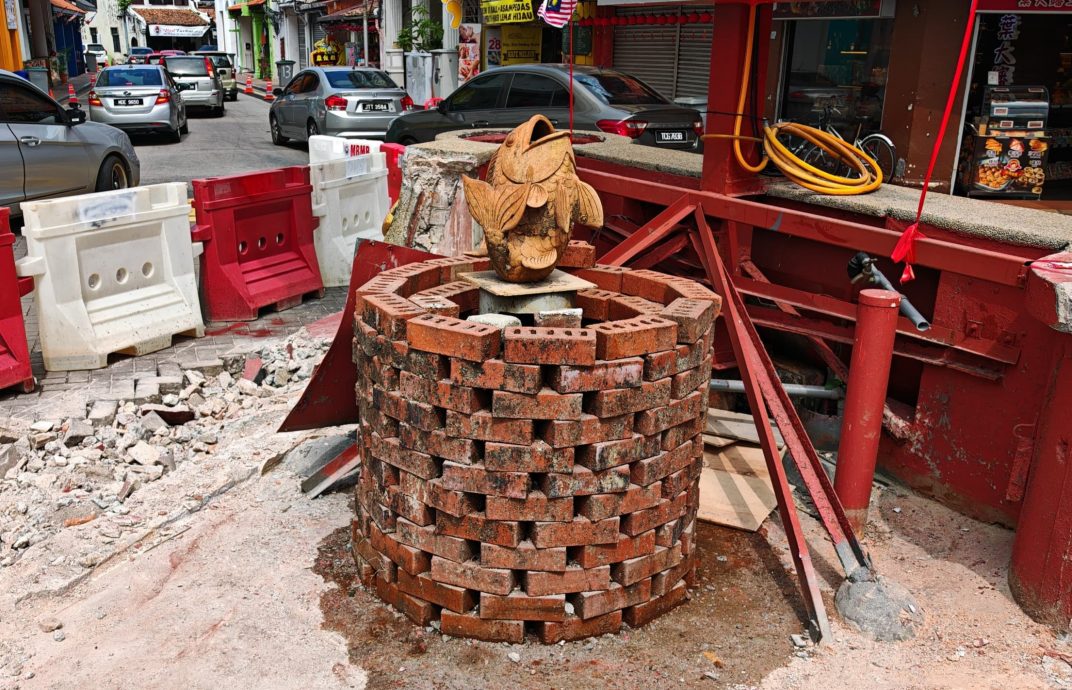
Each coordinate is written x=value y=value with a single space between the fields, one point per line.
x=324 y=148
x=350 y=198
x=114 y=273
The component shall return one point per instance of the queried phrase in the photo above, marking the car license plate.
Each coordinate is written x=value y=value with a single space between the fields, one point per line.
x=375 y=107
x=670 y=137
x=128 y=101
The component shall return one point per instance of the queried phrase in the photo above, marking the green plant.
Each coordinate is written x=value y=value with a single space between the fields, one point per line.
x=421 y=33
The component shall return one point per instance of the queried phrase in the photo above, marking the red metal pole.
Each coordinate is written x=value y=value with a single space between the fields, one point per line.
x=869 y=372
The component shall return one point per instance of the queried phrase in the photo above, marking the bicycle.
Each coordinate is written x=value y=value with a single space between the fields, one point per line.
x=876 y=145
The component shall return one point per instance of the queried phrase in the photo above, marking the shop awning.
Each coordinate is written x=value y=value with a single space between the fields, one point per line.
x=68 y=8
x=352 y=13
x=172 y=21
x=239 y=6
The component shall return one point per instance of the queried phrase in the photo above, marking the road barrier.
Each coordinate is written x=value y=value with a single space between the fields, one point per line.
x=268 y=95
x=249 y=85
x=350 y=198
x=114 y=274
x=324 y=148
x=257 y=230
x=394 y=169
x=14 y=352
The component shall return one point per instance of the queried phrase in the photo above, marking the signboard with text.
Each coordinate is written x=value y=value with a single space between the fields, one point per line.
x=521 y=44
x=833 y=9
x=177 y=31
x=507 y=11
x=1025 y=6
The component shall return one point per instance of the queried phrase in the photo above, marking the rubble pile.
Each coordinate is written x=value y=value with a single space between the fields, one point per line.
x=63 y=473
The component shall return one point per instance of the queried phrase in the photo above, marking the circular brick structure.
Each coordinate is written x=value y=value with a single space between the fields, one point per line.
x=537 y=480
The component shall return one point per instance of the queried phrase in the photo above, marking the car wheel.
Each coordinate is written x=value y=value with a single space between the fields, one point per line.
x=221 y=110
x=185 y=127
x=113 y=175
x=311 y=129
x=175 y=136
x=277 y=136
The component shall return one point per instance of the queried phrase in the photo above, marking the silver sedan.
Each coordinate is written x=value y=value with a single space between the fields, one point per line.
x=139 y=98
x=340 y=101
x=48 y=152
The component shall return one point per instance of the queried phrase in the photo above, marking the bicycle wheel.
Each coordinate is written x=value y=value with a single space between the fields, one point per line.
x=882 y=151
x=818 y=158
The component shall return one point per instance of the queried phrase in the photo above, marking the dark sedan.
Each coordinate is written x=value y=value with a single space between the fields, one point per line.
x=604 y=99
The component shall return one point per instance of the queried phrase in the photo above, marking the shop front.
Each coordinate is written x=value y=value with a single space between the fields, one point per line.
x=349 y=28
x=256 y=37
x=171 y=28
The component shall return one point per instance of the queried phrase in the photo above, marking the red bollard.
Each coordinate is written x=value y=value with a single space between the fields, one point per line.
x=393 y=152
x=861 y=430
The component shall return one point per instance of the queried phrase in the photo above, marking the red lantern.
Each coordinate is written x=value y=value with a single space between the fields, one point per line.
x=661 y=19
x=692 y=18
x=706 y=18
x=673 y=19
x=615 y=21
x=634 y=20
x=601 y=21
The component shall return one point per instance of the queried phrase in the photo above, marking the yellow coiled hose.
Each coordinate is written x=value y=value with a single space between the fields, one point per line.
x=867 y=178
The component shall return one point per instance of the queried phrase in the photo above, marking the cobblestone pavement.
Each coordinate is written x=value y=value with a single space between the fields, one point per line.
x=62 y=394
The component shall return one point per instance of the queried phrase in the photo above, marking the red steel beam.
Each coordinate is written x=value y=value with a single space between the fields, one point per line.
x=650 y=233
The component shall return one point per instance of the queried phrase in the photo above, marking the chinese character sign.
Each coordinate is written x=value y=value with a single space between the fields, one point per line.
x=1004 y=54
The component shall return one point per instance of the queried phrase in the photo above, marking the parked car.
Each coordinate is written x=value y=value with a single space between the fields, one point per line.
x=603 y=99
x=139 y=98
x=201 y=79
x=157 y=58
x=98 y=51
x=139 y=55
x=340 y=101
x=46 y=151
x=224 y=64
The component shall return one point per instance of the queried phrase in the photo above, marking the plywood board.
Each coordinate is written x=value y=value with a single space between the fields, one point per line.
x=740 y=459
x=717 y=441
x=557 y=281
x=735 y=500
x=737 y=426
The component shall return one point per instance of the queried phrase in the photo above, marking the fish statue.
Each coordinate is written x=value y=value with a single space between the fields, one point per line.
x=530 y=201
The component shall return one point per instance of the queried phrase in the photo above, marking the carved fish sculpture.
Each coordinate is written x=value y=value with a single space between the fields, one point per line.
x=530 y=201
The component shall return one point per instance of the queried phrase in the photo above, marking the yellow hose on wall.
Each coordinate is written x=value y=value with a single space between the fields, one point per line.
x=868 y=175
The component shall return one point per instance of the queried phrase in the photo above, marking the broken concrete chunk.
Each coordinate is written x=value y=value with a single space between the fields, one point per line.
x=497 y=320
x=152 y=422
x=247 y=387
x=102 y=412
x=176 y=415
x=224 y=379
x=77 y=431
x=49 y=624
x=42 y=425
x=558 y=318
x=39 y=440
x=144 y=454
x=12 y=429
x=205 y=367
x=195 y=377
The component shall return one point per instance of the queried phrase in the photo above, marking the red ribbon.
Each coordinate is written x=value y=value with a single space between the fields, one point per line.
x=906 y=245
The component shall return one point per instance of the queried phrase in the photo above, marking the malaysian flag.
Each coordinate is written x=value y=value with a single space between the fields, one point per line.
x=557 y=12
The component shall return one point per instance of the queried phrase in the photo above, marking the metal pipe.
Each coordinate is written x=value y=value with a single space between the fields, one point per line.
x=863 y=266
x=795 y=390
x=861 y=428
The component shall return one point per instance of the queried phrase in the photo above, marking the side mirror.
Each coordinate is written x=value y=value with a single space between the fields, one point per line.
x=442 y=107
x=277 y=91
x=76 y=116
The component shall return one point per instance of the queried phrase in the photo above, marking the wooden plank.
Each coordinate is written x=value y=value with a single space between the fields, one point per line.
x=735 y=500
x=737 y=426
x=718 y=441
x=557 y=281
x=740 y=459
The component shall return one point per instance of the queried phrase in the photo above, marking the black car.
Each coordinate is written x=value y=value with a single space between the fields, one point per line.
x=603 y=99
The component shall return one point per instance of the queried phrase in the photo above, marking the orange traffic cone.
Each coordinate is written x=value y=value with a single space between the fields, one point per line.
x=72 y=97
x=268 y=95
x=249 y=84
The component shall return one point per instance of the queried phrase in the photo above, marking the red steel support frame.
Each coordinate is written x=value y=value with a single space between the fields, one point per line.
x=869 y=372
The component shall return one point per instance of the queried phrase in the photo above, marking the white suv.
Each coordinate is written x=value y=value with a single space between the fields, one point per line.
x=97 y=50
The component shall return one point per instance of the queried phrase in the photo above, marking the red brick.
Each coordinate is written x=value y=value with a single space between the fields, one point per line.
x=420 y=612
x=645 y=520
x=657 y=419
x=388 y=314
x=383 y=566
x=578 y=254
x=482 y=426
x=451 y=266
x=690 y=381
x=441 y=393
x=683 y=288
x=607 y=454
x=413 y=388
x=413 y=561
x=624 y=549
x=471 y=625
x=631 y=337
x=533 y=507
x=559 y=318
x=593 y=604
x=472 y=575
x=600 y=506
x=409 y=507
x=636 y=569
x=440 y=306
x=665 y=463
x=594 y=303
x=615 y=402
x=615 y=373
x=642 y=614
x=390 y=450
x=682 y=433
x=537 y=457
x=426 y=539
x=532 y=345
x=650 y=285
x=453 y=337
x=475 y=527
x=574 y=628
x=480 y=481
x=546 y=404
x=588 y=429
x=579 y=532
x=447 y=500
x=465 y=295
x=584 y=482
x=675 y=360
x=381 y=285
x=628 y=307
x=448 y=596
x=519 y=606
x=678 y=482
x=496 y=375
x=427 y=365
x=524 y=557
x=439 y=444
x=694 y=317
x=573 y=579
x=419 y=276
x=424 y=417
x=605 y=277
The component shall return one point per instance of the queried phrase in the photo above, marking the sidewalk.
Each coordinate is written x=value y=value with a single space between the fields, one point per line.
x=260 y=86
x=81 y=87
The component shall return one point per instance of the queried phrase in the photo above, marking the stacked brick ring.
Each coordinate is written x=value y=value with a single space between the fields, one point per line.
x=540 y=480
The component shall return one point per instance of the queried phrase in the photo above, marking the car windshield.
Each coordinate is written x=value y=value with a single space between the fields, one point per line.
x=186 y=66
x=95 y=47
x=220 y=61
x=141 y=51
x=144 y=76
x=360 y=79
x=615 y=88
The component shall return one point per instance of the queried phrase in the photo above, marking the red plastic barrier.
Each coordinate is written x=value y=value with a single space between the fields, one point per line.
x=14 y=352
x=394 y=169
x=257 y=231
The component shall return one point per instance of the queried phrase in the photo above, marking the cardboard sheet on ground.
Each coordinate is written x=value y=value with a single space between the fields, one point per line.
x=737 y=426
x=735 y=488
